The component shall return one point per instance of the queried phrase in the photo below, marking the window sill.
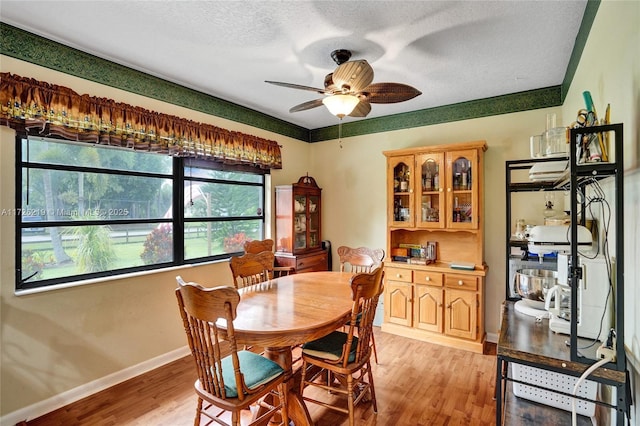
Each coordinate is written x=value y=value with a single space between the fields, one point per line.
x=111 y=278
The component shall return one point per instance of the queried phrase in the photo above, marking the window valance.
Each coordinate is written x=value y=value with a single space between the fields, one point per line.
x=55 y=110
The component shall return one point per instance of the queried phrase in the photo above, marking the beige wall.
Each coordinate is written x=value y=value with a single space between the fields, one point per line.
x=610 y=70
x=59 y=340
x=359 y=168
x=55 y=341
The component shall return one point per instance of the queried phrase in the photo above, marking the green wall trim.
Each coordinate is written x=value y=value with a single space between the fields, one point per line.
x=515 y=102
x=581 y=40
x=38 y=50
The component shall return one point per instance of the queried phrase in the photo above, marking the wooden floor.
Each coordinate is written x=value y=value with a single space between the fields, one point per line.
x=416 y=383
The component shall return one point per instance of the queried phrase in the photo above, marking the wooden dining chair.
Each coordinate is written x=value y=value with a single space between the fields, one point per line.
x=249 y=268
x=345 y=355
x=357 y=260
x=226 y=383
x=361 y=259
x=257 y=246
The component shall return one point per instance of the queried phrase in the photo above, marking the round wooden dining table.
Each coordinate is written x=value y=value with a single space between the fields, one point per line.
x=288 y=311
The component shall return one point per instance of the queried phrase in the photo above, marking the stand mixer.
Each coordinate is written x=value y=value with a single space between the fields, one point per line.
x=549 y=239
x=533 y=285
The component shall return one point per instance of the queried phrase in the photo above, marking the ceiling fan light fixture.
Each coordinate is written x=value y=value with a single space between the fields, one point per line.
x=340 y=105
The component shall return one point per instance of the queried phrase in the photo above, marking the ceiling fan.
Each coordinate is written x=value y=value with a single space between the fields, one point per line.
x=349 y=89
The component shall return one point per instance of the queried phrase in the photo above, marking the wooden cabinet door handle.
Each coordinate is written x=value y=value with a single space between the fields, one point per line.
x=460 y=282
x=398 y=275
x=428 y=278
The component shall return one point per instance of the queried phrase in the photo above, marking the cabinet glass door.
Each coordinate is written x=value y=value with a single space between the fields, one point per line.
x=430 y=194
x=462 y=190
x=402 y=187
x=313 y=222
x=300 y=222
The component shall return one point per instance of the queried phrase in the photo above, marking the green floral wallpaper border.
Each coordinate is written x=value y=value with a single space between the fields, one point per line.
x=38 y=50
x=523 y=101
x=581 y=40
x=32 y=48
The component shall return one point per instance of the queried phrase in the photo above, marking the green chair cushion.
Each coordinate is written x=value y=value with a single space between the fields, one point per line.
x=257 y=371
x=330 y=346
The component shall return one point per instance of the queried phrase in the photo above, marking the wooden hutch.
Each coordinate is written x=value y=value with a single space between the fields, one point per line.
x=435 y=195
x=298 y=226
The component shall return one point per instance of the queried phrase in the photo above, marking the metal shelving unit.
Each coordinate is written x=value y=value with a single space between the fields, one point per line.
x=513 y=186
x=543 y=348
x=581 y=177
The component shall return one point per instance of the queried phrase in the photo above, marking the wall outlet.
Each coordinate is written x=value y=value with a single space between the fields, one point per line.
x=604 y=352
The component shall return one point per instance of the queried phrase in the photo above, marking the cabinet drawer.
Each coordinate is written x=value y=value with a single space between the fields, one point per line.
x=398 y=274
x=464 y=282
x=312 y=263
x=427 y=277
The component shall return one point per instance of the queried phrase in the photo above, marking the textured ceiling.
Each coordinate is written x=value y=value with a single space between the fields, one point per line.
x=452 y=51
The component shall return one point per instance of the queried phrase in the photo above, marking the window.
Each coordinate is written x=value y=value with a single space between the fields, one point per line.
x=86 y=211
x=224 y=206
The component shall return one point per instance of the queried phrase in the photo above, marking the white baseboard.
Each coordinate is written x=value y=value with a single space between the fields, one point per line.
x=65 y=398
x=492 y=337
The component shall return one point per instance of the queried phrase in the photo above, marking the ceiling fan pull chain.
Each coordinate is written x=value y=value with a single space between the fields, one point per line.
x=340 y=133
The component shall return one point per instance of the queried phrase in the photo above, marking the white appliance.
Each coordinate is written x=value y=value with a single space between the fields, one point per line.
x=549 y=171
x=595 y=288
x=548 y=239
x=595 y=292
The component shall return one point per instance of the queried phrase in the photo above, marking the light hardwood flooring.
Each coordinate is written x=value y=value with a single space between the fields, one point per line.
x=416 y=383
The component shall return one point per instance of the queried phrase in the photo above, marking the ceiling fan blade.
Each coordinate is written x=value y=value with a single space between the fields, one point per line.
x=297 y=86
x=353 y=75
x=389 y=93
x=306 y=105
x=361 y=110
x=329 y=86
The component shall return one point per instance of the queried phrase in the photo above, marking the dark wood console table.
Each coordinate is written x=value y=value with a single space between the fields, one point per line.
x=528 y=341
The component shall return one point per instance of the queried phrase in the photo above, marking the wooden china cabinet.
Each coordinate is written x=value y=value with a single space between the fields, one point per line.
x=298 y=226
x=435 y=195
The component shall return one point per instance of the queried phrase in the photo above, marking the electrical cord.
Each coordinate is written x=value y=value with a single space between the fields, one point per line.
x=587 y=373
x=598 y=198
x=606 y=221
x=605 y=210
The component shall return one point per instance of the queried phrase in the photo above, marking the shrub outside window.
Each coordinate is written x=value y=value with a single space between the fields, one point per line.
x=85 y=211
